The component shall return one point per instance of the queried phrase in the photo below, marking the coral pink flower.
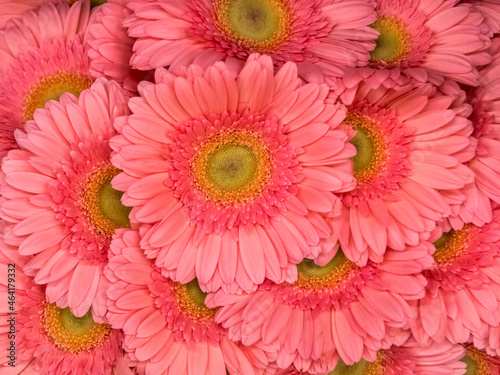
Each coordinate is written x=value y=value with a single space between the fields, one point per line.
x=424 y=41
x=43 y=56
x=407 y=359
x=167 y=327
x=406 y=142
x=463 y=293
x=232 y=172
x=50 y=340
x=337 y=309
x=322 y=36
x=57 y=192
x=485 y=117
x=111 y=47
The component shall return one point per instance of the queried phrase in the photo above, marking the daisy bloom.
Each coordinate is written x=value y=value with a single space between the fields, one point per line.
x=43 y=55
x=424 y=41
x=57 y=192
x=463 y=291
x=339 y=309
x=167 y=327
x=485 y=117
x=111 y=47
x=231 y=171
x=322 y=37
x=406 y=141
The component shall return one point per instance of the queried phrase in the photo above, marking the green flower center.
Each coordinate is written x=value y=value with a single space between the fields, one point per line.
x=362 y=367
x=394 y=42
x=51 y=88
x=260 y=25
x=71 y=333
x=451 y=245
x=191 y=300
x=371 y=147
x=102 y=204
x=477 y=361
x=232 y=168
x=312 y=276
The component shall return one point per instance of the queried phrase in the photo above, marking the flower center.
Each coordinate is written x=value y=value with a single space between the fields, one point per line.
x=476 y=361
x=451 y=245
x=51 y=88
x=191 y=301
x=101 y=203
x=312 y=276
x=371 y=147
x=70 y=333
x=260 y=25
x=362 y=367
x=232 y=167
x=394 y=42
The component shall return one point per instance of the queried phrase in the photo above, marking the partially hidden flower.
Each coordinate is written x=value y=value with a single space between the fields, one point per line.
x=167 y=326
x=339 y=309
x=43 y=55
x=405 y=166
x=463 y=291
x=57 y=192
x=322 y=37
x=422 y=41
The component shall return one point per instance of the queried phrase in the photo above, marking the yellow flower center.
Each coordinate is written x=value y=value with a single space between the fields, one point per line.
x=371 y=147
x=312 y=276
x=259 y=25
x=51 y=88
x=362 y=367
x=191 y=300
x=476 y=361
x=101 y=203
x=232 y=168
x=70 y=333
x=451 y=245
x=394 y=42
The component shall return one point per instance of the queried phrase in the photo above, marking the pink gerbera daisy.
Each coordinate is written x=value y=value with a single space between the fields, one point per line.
x=463 y=293
x=485 y=117
x=43 y=56
x=232 y=172
x=407 y=359
x=424 y=41
x=57 y=191
x=406 y=142
x=111 y=47
x=321 y=36
x=336 y=309
x=167 y=326
x=50 y=340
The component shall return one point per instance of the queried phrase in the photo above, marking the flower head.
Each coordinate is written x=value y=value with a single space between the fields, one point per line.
x=63 y=207
x=322 y=37
x=353 y=309
x=231 y=172
x=166 y=324
x=406 y=141
x=416 y=45
x=462 y=293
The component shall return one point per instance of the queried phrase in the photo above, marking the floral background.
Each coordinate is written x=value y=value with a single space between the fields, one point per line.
x=254 y=187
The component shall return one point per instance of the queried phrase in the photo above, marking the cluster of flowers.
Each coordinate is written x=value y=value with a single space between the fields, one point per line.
x=254 y=187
